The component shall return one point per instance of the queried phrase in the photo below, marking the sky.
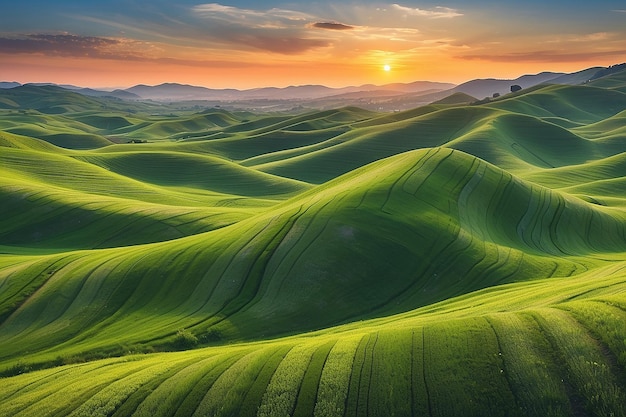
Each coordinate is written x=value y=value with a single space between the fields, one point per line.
x=248 y=44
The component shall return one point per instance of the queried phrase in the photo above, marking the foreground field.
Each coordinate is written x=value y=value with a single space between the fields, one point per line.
x=515 y=350
x=448 y=260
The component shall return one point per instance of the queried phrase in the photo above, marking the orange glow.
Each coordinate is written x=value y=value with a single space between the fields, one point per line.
x=101 y=73
x=227 y=47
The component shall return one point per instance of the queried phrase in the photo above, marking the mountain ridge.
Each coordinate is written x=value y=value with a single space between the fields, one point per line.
x=478 y=88
x=174 y=91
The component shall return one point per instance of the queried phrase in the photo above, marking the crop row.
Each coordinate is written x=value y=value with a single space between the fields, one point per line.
x=538 y=362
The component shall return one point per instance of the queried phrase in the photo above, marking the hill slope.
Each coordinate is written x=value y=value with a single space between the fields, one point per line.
x=373 y=242
x=399 y=366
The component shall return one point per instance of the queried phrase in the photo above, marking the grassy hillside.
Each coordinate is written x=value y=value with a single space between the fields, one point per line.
x=449 y=260
x=390 y=227
x=486 y=351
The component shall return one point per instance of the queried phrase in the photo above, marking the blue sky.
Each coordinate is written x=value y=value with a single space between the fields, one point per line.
x=243 y=43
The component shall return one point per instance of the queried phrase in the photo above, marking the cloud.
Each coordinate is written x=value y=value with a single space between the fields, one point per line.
x=438 y=12
x=221 y=31
x=274 y=30
x=75 y=46
x=332 y=26
x=55 y=44
x=619 y=11
x=596 y=37
x=549 y=56
x=272 y=18
x=282 y=45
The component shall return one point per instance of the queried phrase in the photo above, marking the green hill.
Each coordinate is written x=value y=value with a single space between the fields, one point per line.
x=374 y=242
x=615 y=81
x=513 y=141
x=586 y=104
x=47 y=99
x=456 y=98
x=50 y=99
x=450 y=260
x=496 y=341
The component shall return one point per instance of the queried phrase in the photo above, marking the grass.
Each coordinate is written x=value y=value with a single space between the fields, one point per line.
x=442 y=261
x=282 y=391
x=588 y=369
x=524 y=356
x=495 y=358
x=463 y=370
x=335 y=378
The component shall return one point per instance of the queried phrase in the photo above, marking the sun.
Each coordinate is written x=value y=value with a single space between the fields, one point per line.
x=387 y=67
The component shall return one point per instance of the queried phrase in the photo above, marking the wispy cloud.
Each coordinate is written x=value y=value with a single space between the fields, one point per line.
x=213 y=27
x=120 y=49
x=69 y=45
x=549 y=56
x=74 y=46
x=438 y=12
x=343 y=30
x=596 y=37
x=619 y=11
x=274 y=30
x=272 y=18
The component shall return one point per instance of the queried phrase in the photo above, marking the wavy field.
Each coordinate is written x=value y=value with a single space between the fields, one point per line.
x=454 y=260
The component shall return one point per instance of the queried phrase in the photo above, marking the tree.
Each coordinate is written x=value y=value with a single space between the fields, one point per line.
x=515 y=88
x=185 y=339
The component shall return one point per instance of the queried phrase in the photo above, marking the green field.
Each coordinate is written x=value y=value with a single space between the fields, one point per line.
x=452 y=260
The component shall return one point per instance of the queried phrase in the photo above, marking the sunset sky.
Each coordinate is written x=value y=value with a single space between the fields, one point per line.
x=246 y=44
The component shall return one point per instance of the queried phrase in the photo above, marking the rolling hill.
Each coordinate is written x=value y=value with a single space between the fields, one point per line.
x=451 y=260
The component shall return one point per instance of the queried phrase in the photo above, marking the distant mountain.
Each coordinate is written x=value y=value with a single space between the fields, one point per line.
x=615 y=80
x=456 y=98
x=65 y=86
x=288 y=93
x=181 y=92
x=6 y=85
x=395 y=96
x=608 y=71
x=482 y=88
x=478 y=88
x=394 y=88
x=575 y=78
x=418 y=86
x=369 y=94
x=379 y=100
x=121 y=94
